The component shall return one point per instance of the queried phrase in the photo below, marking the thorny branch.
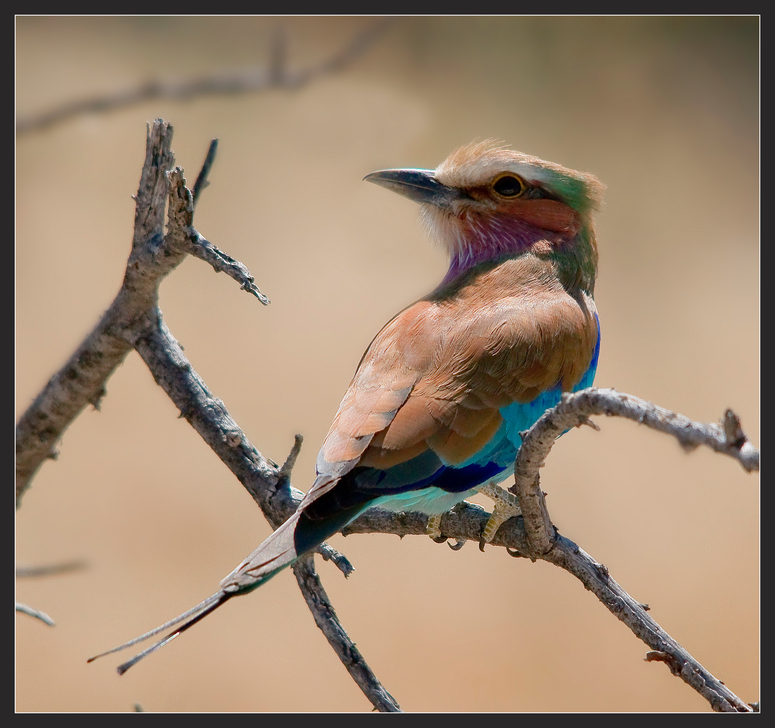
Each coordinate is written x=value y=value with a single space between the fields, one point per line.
x=134 y=321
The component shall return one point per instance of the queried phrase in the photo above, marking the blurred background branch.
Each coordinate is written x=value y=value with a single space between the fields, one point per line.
x=276 y=74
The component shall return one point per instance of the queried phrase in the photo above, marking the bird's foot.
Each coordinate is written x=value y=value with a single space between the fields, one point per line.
x=433 y=529
x=506 y=506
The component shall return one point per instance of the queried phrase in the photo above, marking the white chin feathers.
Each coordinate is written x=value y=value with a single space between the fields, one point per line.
x=444 y=230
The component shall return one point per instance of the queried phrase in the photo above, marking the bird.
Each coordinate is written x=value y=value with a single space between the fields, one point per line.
x=442 y=395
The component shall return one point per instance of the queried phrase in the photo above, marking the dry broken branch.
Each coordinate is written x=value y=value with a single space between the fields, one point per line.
x=543 y=541
x=575 y=409
x=81 y=381
x=532 y=535
x=134 y=321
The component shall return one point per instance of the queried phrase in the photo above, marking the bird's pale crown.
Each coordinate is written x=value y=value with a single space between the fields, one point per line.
x=478 y=163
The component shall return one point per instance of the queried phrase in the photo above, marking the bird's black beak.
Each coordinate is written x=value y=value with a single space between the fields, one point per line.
x=419 y=185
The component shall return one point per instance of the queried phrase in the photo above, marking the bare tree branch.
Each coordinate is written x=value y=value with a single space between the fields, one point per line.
x=202 y=181
x=532 y=535
x=27 y=572
x=575 y=409
x=134 y=320
x=276 y=75
x=204 y=250
x=36 y=613
x=81 y=381
x=326 y=619
x=267 y=484
x=545 y=543
x=595 y=577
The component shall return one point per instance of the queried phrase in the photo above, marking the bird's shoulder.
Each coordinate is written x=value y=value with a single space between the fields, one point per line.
x=512 y=331
x=500 y=334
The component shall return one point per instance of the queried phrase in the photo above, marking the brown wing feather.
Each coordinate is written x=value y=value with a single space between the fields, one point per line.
x=437 y=374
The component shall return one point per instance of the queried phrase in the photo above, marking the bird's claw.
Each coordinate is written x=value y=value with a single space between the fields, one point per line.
x=433 y=529
x=459 y=542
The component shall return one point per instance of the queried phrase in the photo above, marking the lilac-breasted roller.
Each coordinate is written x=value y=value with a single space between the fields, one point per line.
x=438 y=401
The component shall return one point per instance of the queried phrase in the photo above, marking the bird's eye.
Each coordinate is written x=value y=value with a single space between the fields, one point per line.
x=509 y=185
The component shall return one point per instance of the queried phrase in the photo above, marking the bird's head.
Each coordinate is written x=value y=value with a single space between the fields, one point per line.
x=486 y=202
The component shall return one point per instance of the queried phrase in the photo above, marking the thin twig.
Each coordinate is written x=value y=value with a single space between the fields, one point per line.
x=37 y=613
x=203 y=249
x=202 y=181
x=326 y=619
x=28 y=572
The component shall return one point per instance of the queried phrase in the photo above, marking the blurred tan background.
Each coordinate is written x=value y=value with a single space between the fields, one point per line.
x=663 y=110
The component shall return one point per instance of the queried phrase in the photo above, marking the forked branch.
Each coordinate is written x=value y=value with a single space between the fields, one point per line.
x=543 y=541
x=134 y=321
